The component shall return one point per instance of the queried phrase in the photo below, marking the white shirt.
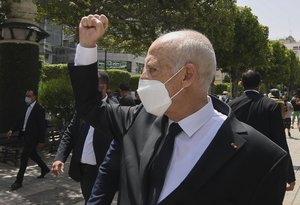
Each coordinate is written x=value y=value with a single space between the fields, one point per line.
x=199 y=129
x=88 y=153
x=28 y=111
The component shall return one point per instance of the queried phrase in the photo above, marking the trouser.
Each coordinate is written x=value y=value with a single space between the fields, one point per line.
x=88 y=177
x=29 y=151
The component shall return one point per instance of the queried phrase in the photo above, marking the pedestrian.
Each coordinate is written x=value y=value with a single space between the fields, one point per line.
x=287 y=119
x=296 y=110
x=179 y=146
x=262 y=113
x=32 y=130
x=88 y=146
x=125 y=98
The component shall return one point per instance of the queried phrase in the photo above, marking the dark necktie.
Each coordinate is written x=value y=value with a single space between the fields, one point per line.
x=160 y=164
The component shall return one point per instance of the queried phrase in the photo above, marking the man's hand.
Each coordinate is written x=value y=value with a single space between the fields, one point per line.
x=9 y=133
x=290 y=186
x=91 y=29
x=40 y=146
x=58 y=168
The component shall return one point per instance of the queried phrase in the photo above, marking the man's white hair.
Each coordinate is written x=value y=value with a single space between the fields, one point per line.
x=188 y=46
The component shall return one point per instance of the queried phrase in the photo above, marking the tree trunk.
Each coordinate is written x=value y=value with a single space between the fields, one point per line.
x=234 y=82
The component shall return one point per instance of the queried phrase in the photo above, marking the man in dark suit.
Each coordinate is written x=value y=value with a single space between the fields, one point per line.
x=32 y=130
x=211 y=157
x=89 y=147
x=262 y=113
x=125 y=98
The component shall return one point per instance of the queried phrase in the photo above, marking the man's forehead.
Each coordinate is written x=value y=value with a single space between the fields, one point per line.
x=151 y=60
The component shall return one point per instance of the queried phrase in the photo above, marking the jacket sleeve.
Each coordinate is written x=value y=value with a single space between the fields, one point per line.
x=67 y=141
x=107 y=181
x=110 y=118
x=271 y=190
x=278 y=136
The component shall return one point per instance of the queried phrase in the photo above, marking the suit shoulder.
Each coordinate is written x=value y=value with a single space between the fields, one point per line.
x=260 y=144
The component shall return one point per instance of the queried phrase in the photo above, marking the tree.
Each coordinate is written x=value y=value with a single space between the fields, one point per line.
x=277 y=69
x=250 y=44
x=135 y=24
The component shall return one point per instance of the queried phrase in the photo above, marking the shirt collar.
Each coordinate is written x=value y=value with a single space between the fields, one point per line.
x=196 y=120
x=104 y=98
x=251 y=90
x=32 y=104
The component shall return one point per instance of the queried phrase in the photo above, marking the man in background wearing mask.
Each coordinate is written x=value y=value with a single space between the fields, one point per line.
x=88 y=146
x=32 y=129
x=179 y=146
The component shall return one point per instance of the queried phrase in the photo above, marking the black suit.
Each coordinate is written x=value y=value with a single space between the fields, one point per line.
x=34 y=133
x=263 y=114
x=250 y=171
x=73 y=139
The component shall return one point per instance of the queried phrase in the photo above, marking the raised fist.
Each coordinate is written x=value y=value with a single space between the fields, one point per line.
x=91 y=29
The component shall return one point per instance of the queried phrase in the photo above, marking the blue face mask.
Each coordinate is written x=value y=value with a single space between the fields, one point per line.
x=28 y=100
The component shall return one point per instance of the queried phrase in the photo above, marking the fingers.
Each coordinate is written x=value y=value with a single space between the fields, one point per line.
x=290 y=186
x=57 y=168
x=94 y=21
x=103 y=19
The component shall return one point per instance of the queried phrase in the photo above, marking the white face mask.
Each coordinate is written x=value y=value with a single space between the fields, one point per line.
x=154 y=95
x=28 y=100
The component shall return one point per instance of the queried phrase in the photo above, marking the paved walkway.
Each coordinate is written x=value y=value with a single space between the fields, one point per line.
x=64 y=191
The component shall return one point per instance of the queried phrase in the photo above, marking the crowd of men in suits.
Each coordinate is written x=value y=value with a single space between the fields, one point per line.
x=180 y=145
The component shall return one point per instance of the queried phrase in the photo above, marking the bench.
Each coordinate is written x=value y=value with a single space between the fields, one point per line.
x=54 y=137
x=10 y=148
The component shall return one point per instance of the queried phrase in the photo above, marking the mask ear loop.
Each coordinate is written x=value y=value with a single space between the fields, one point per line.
x=172 y=78
x=174 y=75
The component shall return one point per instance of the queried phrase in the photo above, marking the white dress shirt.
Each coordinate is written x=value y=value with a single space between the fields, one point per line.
x=88 y=153
x=199 y=129
x=28 y=111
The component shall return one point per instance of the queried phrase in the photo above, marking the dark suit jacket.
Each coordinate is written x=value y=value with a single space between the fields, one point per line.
x=35 y=127
x=263 y=114
x=74 y=138
x=251 y=171
x=127 y=101
x=108 y=177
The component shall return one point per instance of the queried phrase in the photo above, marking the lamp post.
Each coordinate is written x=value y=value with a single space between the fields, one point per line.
x=19 y=59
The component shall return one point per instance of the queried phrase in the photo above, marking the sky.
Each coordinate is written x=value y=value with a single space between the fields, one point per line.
x=281 y=16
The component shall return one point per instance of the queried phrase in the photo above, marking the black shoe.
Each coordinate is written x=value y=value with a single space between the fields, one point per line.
x=15 y=186
x=44 y=172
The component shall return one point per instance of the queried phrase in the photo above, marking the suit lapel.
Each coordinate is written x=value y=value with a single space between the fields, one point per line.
x=157 y=131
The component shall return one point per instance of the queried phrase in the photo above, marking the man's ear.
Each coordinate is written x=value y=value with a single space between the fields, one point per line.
x=190 y=75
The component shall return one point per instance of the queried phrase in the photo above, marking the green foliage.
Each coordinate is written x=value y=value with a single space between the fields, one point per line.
x=250 y=46
x=4 y=10
x=19 y=71
x=135 y=24
x=220 y=87
x=277 y=69
x=57 y=97
x=134 y=82
x=116 y=77
x=51 y=71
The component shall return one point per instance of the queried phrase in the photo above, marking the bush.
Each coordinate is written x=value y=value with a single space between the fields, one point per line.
x=57 y=97
x=52 y=71
x=220 y=87
x=134 y=82
x=116 y=77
